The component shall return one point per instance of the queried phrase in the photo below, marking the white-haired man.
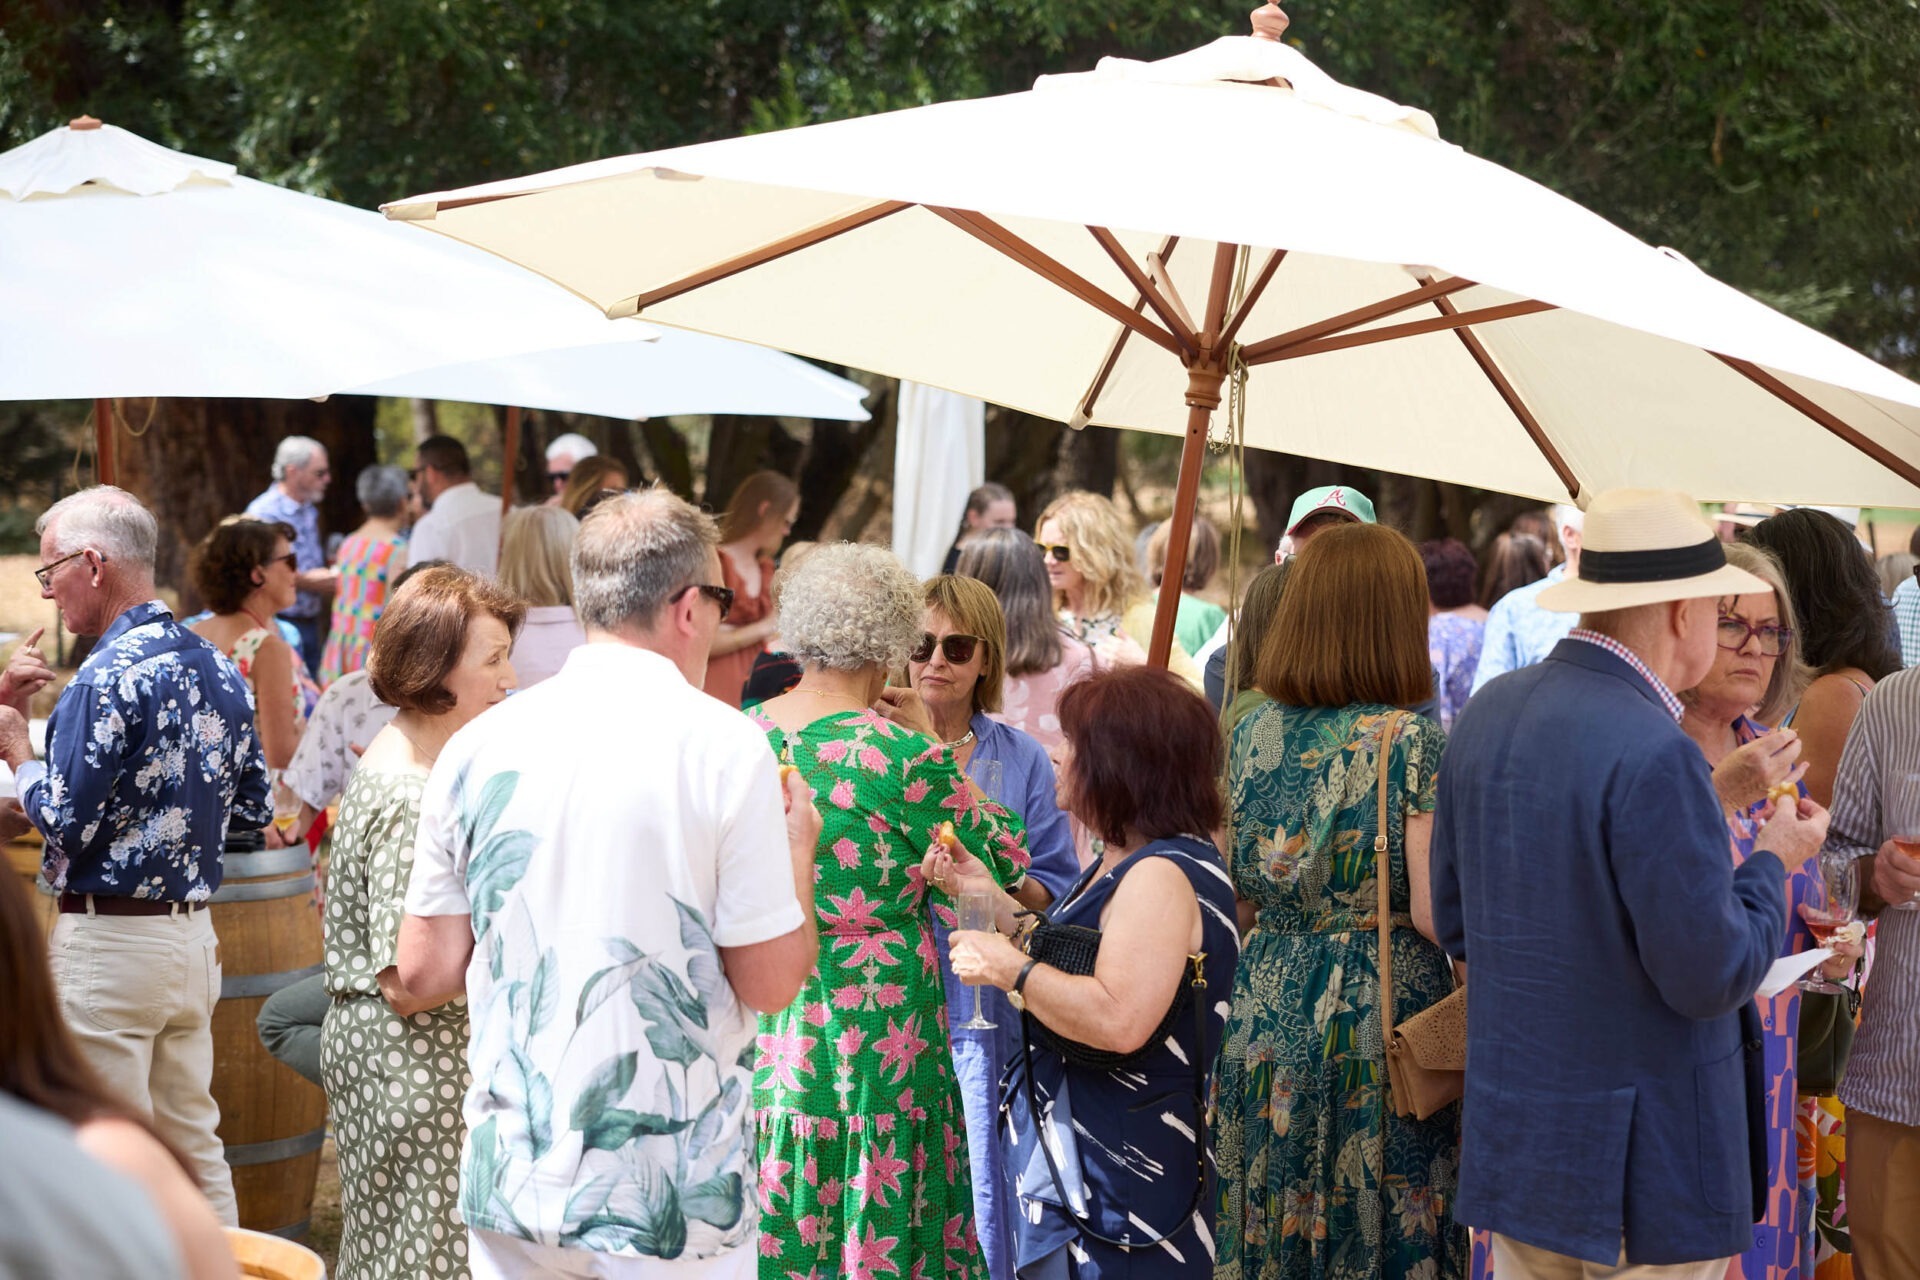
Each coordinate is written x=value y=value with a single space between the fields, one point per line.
x=603 y=864
x=1520 y=632
x=151 y=754
x=301 y=474
x=562 y=455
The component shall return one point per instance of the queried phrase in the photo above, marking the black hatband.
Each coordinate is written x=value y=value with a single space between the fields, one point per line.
x=1665 y=564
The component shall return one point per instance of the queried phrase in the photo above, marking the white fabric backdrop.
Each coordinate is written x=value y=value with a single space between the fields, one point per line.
x=939 y=456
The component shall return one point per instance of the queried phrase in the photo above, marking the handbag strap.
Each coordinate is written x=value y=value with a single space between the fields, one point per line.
x=1383 y=873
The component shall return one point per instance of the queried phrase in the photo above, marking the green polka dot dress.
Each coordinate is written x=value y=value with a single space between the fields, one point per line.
x=394 y=1084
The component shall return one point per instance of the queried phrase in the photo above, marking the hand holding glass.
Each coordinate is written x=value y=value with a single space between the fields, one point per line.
x=976 y=915
x=1832 y=898
x=1900 y=810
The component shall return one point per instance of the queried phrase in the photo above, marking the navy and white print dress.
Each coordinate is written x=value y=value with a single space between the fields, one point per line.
x=1124 y=1140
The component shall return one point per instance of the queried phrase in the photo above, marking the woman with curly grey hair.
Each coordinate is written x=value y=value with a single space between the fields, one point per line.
x=853 y=1085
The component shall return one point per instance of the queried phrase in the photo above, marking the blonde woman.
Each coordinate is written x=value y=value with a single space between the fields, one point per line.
x=536 y=564
x=1097 y=585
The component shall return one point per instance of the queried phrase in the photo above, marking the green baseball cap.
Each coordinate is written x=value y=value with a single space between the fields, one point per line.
x=1342 y=498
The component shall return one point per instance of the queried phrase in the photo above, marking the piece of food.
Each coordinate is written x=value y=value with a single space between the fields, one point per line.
x=787 y=771
x=946 y=833
x=1783 y=791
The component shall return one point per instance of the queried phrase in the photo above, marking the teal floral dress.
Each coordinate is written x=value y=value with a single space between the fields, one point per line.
x=863 y=1142
x=1318 y=1180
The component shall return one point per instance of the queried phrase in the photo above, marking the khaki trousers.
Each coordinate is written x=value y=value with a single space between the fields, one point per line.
x=1515 y=1261
x=138 y=994
x=1883 y=1197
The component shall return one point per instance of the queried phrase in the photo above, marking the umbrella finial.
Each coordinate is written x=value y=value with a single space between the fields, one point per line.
x=83 y=123
x=1269 y=23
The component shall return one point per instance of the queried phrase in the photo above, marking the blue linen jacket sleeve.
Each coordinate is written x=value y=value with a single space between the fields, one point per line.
x=1443 y=881
x=1705 y=932
x=67 y=799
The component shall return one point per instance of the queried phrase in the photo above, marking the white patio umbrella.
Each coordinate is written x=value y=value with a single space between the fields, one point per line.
x=673 y=371
x=1102 y=247
x=132 y=270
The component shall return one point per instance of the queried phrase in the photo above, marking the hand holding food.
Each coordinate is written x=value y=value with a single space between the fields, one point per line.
x=951 y=868
x=1758 y=770
x=1794 y=833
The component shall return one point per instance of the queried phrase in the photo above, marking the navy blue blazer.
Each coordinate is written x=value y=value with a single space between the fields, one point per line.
x=1581 y=867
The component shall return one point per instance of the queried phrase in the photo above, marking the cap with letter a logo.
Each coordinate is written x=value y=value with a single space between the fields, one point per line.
x=1339 y=499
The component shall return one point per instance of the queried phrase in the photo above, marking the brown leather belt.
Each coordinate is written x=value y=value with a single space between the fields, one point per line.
x=76 y=904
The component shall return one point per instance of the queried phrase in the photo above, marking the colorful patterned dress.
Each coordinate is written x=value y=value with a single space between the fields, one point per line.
x=1317 y=1178
x=863 y=1151
x=366 y=566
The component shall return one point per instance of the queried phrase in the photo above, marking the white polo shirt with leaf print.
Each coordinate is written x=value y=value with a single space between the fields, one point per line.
x=608 y=830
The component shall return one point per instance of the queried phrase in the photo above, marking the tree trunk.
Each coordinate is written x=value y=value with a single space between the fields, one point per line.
x=835 y=456
x=200 y=460
x=426 y=418
x=741 y=445
x=1090 y=460
x=667 y=448
x=1023 y=451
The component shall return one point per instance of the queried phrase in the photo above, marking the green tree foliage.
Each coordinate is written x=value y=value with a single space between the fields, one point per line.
x=1775 y=144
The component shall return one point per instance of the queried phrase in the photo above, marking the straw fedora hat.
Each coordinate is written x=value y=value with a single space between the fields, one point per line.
x=1646 y=546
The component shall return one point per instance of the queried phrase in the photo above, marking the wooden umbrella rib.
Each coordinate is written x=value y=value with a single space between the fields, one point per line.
x=772 y=251
x=1254 y=290
x=1119 y=343
x=1257 y=352
x=1150 y=293
x=1832 y=422
x=998 y=238
x=1497 y=376
x=1412 y=329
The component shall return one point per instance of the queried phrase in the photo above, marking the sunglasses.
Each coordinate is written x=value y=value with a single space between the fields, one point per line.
x=958 y=649
x=291 y=560
x=45 y=572
x=722 y=596
x=559 y=477
x=1057 y=551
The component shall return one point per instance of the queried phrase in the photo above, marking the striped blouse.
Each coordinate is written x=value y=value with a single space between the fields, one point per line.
x=1883 y=749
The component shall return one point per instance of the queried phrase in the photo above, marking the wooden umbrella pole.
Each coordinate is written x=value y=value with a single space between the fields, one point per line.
x=1205 y=375
x=103 y=469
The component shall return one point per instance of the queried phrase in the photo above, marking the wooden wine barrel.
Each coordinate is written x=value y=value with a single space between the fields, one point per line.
x=271 y=1119
x=23 y=855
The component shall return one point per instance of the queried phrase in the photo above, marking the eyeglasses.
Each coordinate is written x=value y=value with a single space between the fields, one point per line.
x=1058 y=551
x=559 y=477
x=45 y=572
x=958 y=649
x=1773 y=640
x=291 y=560
x=722 y=596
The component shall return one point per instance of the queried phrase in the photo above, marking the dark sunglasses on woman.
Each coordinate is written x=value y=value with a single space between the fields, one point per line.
x=1058 y=551
x=958 y=649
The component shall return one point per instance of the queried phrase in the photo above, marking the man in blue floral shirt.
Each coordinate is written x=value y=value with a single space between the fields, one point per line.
x=151 y=752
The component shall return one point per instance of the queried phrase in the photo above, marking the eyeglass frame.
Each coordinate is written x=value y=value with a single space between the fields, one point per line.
x=291 y=560
x=722 y=596
x=923 y=651
x=1047 y=550
x=1751 y=632
x=44 y=574
x=560 y=477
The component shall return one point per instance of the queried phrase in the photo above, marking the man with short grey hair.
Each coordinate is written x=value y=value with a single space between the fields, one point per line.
x=615 y=837
x=300 y=478
x=151 y=754
x=562 y=456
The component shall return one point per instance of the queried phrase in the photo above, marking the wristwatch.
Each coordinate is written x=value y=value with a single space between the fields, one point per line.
x=1014 y=997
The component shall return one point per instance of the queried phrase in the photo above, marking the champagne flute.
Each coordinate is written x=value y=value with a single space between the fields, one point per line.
x=976 y=914
x=1900 y=816
x=286 y=807
x=988 y=776
x=1832 y=898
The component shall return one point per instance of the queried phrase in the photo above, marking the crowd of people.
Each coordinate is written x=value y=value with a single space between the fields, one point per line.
x=705 y=905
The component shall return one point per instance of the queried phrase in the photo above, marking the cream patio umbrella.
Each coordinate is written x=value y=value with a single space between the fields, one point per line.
x=1106 y=247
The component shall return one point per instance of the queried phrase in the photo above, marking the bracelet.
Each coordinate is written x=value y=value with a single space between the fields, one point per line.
x=1025 y=969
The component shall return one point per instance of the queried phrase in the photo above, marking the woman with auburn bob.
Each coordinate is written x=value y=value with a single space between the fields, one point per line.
x=1317 y=1177
x=394 y=1060
x=1140 y=767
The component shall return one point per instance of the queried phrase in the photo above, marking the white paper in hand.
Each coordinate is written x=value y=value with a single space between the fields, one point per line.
x=1788 y=970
